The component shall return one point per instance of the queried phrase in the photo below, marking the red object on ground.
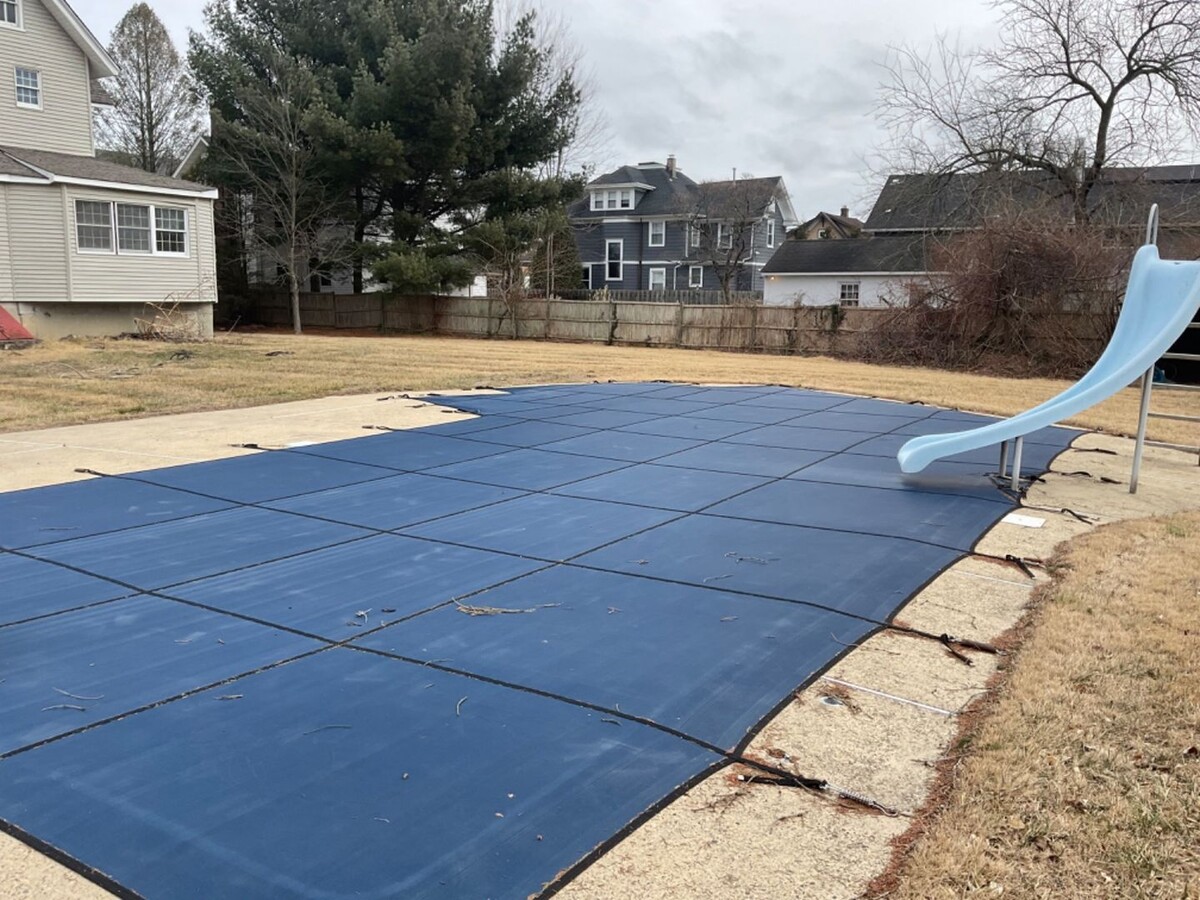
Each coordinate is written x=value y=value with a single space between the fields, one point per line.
x=11 y=329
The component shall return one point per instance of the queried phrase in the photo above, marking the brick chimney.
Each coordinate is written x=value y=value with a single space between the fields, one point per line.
x=845 y=212
x=671 y=166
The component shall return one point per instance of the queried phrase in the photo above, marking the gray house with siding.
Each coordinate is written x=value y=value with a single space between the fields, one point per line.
x=650 y=227
x=85 y=243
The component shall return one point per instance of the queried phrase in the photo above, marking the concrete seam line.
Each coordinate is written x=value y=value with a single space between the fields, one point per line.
x=887 y=696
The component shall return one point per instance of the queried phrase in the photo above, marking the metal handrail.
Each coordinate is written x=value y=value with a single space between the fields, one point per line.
x=1144 y=413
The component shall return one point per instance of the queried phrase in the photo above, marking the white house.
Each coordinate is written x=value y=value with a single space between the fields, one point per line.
x=866 y=271
x=85 y=244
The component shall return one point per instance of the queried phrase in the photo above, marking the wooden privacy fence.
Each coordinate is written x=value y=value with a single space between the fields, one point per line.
x=770 y=329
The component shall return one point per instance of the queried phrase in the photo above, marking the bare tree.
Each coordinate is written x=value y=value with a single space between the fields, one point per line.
x=722 y=226
x=587 y=137
x=155 y=115
x=1073 y=87
x=267 y=151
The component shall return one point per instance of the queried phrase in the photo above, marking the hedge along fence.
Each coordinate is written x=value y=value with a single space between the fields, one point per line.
x=755 y=328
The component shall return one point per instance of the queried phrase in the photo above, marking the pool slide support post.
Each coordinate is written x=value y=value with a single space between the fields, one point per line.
x=1147 y=379
x=1018 y=446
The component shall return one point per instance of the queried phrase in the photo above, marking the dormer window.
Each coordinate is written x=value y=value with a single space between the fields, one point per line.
x=615 y=199
x=29 y=88
x=10 y=13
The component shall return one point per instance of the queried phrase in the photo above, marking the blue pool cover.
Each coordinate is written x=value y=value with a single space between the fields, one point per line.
x=450 y=662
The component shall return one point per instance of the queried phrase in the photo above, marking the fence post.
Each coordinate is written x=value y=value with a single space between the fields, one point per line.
x=679 y=323
x=753 y=327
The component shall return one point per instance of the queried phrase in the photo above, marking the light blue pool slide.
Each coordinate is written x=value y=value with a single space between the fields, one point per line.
x=1161 y=299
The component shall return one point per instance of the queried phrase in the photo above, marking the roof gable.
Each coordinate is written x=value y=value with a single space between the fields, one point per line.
x=102 y=64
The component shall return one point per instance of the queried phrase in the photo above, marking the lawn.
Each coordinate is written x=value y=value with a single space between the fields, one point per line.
x=68 y=382
x=1083 y=778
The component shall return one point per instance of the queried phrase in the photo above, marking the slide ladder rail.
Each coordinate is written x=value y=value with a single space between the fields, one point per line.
x=1161 y=299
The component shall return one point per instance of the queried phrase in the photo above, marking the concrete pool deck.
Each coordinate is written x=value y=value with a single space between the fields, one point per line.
x=895 y=700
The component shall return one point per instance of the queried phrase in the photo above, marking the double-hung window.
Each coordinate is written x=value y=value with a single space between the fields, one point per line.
x=848 y=290
x=658 y=279
x=10 y=13
x=693 y=236
x=695 y=276
x=93 y=226
x=587 y=277
x=170 y=230
x=724 y=236
x=658 y=234
x=770 y=233
x=614 y=252
x=29 y=88
x=133 y=228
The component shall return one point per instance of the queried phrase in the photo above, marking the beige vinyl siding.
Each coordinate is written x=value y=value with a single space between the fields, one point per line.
x=143 y=278
x=6 y=286
x=64 y=123
x=37 y=242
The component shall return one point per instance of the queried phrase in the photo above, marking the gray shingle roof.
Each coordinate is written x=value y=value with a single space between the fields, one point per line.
x=9 y=166
x=959 y=200
x=678 y=196
x=882 y=253
x=67 y=165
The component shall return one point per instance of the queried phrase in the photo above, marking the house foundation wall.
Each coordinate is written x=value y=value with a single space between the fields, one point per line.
x=51 y=321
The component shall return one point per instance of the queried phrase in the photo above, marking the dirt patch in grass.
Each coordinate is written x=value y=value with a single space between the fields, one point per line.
x=1083 y=778
x=69 y=382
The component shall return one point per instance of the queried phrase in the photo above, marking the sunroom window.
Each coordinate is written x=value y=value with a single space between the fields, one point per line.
x=93 y=225
x=170 y=230
x=133 y=228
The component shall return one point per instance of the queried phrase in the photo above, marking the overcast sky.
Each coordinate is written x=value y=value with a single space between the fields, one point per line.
x=770 y=87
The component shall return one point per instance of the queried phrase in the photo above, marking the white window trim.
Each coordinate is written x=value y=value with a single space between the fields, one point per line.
x=698 y=283
x=115 y=249
x=770 y=233
x=844 y=292
x=722 y=234
x=112 y=229
x=662 y=235
x=620 y=260
x=18 y=25
x=187 y=232
x=650 y=282
x=117 y=230
x=695 y=238
x=588 y=280
x=17 y=85
x=604 y=200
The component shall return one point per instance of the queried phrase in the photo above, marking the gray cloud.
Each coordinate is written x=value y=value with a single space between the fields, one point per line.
x=769 y=86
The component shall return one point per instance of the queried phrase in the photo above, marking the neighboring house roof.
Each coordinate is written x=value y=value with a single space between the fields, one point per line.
x=100 y=94
x=195 y=153
x=68 y=168
x=882 y=253
x=675 y=194
x=102 y=64
x=948 y=201
x=845 y=226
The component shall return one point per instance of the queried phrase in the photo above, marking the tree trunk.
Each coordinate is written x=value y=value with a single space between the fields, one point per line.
x=294 y=285
x=360 y=230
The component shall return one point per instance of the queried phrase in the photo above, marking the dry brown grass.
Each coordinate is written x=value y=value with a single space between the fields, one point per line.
x=68 y=382
x=1084 y=779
